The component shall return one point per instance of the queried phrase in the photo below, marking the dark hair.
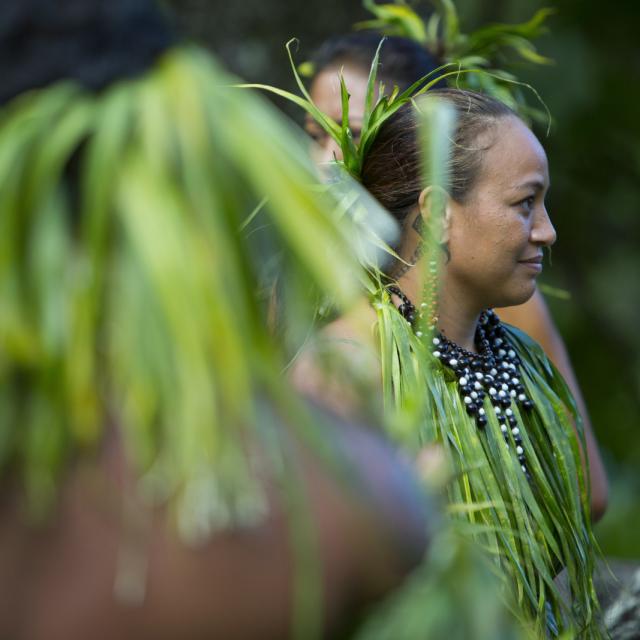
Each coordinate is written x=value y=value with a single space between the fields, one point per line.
x=93 y=42
x=392 y=168
x=402 y=61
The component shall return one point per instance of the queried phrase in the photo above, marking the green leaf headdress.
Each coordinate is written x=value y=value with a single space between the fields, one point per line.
x=376 y=112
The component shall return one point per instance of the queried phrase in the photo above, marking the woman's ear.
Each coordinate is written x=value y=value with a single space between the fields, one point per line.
x=435 y=212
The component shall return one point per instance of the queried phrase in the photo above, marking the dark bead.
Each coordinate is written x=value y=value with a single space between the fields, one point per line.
x=513 y=422
x=501 y=418
x=472 y=409
x=481 y=421
x=517 y=439
x=505 y=402
x=527 y=404
x=521 y=458
x=466 y=390
x=519 y=388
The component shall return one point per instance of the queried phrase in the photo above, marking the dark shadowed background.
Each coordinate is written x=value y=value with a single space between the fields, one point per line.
x=593 y=92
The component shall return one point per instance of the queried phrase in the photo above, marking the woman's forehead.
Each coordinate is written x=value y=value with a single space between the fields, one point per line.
x=513 y=155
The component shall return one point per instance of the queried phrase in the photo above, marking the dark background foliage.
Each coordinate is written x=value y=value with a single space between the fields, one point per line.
x=593 y=91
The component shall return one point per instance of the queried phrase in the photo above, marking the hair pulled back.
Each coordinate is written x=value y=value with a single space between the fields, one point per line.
x=392 y=168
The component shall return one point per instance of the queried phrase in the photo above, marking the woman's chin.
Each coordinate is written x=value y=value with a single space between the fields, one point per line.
x=516 y=297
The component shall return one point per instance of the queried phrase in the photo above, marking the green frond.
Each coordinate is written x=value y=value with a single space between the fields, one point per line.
x=491 y=47
x=397 y=19
x=129 y=268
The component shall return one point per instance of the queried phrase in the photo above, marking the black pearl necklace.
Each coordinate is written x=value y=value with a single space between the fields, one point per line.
x=493 y=373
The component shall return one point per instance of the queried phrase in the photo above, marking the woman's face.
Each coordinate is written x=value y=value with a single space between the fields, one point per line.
x=325 y=92
x=497 y=236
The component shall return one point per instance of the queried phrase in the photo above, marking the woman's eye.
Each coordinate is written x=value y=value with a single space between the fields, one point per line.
x=527 y=203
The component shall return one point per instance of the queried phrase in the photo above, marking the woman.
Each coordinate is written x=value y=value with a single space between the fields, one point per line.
x=402 y=62
x=499 y=410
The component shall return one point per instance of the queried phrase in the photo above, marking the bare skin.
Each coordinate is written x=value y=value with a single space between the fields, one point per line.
x=530 y=314
x=60 y=580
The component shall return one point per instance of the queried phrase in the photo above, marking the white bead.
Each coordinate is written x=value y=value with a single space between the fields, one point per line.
x=512 y=393
x=436 y=354
x=453 y=362
x=522 y=397
x=509 y=412
x=502 y=353
x=436 y=341
x=503 y=428
x=512 y=353
x=515 y=431
x=502 y=394
x=519 y=450
x=479 y=376
x=480 y=411
x=477 y=386
x=524 y=468
x=463 y=381
x=492 y=391
x=505 y=376
x=515 y=381
x=504 y=387
x=494 y=372
x=419 y=334
x=497 y=342
x=467 y=400
x=474 y=395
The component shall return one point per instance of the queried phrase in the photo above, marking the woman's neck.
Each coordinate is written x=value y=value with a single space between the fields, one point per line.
x=457 y=318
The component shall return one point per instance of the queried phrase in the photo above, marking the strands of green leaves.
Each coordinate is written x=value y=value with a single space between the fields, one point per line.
x=491 y=47
x=533 y=530
x=128 y=290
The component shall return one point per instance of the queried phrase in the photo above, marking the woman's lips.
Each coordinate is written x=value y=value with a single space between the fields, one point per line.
x=535 y=263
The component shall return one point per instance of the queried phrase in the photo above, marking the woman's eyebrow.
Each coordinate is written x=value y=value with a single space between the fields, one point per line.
x=535 y=183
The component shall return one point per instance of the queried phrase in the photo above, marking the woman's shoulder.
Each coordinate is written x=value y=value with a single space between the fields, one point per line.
x=537 y=364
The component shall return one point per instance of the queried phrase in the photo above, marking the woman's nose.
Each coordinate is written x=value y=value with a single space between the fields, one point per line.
x=543 y=232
